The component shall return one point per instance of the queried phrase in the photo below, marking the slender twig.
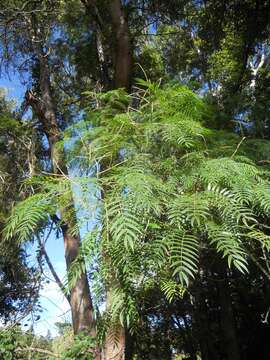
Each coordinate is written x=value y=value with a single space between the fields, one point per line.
x=238 y=146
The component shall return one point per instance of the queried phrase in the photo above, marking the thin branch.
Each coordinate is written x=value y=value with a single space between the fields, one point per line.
x=238 y=146
x=265 y=318
x=52 y=270
x=263 y=270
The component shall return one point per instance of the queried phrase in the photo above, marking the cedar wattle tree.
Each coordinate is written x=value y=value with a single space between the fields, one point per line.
x=177 y=192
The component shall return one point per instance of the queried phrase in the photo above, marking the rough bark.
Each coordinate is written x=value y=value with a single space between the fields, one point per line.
x=43 y=108
x=122 y=43
x=116 y=338
x=114 y=346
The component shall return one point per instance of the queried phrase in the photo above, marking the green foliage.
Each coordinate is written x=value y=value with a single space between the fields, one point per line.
x=26 y=217
x=167 y=190
x=15 y=344
x=169 y=193
x=82 y=348
x=18 y=281
x=10 y=340
x=224 y=62
x=183 y=249
x=172 y=290
x=32 y=214
x=64 y=341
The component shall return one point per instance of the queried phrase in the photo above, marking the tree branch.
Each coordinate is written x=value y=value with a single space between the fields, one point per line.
x=52 y=270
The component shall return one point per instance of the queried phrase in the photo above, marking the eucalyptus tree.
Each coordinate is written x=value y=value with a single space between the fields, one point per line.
x=113 y=36
x=121 y=44
x=213 y=46
x=221 y=48
x=28 y=30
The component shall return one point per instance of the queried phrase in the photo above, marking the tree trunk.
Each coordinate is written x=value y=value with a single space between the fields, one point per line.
x=205 y=336
x=43 y=107
x=122 y=55
x=114 y=346
x=122 y=43
x=230 y=345
x=189 y=340
x=98 y=24
x=115 y=341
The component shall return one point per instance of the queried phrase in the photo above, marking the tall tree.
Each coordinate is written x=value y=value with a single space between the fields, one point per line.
x=202 y=214
x=31 y=34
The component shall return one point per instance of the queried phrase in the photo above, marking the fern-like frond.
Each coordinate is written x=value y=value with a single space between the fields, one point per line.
x=125 y=226
x=262 y=238
x=227 y=173
x=139 y=186
x=172 y=290
x=184 y=254
x=189 y=208
x=27 y=216
x=188 y=134
x=228 y=245
x=232 y=207
x=123 y=308
x=261 y=198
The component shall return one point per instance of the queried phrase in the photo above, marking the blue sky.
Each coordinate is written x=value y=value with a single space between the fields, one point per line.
x=55 y=306
x=13 y=86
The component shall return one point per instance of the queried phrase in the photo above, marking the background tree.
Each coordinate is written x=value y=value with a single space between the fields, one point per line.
x=31 y=37
x=19 y=283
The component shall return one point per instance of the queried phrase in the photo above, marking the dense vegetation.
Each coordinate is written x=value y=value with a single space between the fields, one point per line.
x=148 y=120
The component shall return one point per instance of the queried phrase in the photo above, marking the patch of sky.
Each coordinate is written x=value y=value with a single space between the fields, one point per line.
x=13 y=87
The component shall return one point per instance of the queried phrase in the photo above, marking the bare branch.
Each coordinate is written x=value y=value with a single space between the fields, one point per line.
x=52 y=270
